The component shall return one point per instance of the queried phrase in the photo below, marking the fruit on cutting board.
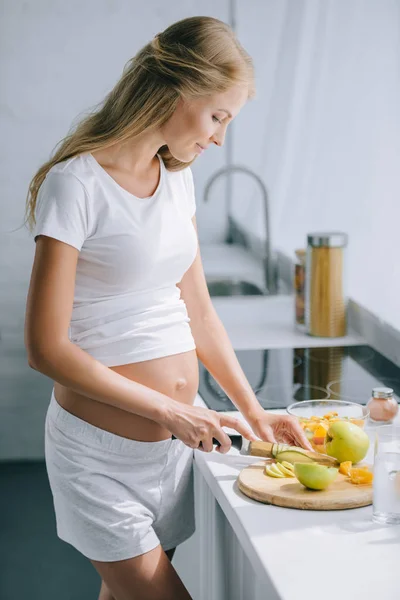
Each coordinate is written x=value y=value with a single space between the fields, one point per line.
x=279 y=470
x=361 y=475
x=288 y=465
x=315 y=476
x=271 y=473
x=344 y=467
x=293 y=455
x=288 y=471
x=357 y=475
x=346 y=442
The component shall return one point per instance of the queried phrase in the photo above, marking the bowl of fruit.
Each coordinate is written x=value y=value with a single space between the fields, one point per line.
x=321 y=421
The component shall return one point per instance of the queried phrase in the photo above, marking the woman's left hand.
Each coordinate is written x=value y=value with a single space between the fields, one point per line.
x=280 y=428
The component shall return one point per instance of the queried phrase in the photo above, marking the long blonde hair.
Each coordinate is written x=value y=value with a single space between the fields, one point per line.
x=194 y=57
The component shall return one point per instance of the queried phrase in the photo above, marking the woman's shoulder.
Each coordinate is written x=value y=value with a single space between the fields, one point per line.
x=62 y=209
x=188 y=179
x=183 y=176
x=77 y=167
x=183 y=187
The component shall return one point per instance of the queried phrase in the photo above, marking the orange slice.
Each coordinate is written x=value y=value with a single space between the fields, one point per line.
x=312 y=426
x=331 y=414
x=320 y=431
x=361 y=475
x=345 y=467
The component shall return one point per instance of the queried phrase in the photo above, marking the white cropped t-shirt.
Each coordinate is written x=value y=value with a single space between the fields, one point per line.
x=133 y=252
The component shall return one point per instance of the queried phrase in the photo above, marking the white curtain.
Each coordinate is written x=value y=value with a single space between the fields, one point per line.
x=324 y=133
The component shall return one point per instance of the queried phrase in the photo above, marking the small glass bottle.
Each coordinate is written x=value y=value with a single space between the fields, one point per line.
x=299 y=287
x=382 y=405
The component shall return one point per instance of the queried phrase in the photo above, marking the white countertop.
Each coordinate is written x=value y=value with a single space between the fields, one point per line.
x=330 y=554
x=338 y=554
x=268 y=322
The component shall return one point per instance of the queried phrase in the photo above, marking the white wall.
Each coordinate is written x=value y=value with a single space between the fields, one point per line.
x=57 y=60
x=325 y=133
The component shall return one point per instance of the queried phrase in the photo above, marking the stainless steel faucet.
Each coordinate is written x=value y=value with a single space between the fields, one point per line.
x=270 y=280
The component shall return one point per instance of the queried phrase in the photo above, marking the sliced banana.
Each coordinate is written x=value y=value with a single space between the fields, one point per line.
x=271 y=473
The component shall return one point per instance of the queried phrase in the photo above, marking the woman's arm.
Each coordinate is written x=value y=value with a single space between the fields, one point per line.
x=218 y=356
x=213 y=345
x=48 y=314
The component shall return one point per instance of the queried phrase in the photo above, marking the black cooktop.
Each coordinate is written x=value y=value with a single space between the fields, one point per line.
x=282 y=376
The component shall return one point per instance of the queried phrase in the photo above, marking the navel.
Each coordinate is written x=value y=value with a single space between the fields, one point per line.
x=181 y=383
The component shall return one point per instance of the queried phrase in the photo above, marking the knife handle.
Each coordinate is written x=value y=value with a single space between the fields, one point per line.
x=236 y=440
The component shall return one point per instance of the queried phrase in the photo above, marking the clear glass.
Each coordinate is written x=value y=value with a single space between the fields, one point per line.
x=316 y=414
x=386 y=486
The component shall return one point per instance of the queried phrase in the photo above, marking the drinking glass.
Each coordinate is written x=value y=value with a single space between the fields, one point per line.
x=386 y=486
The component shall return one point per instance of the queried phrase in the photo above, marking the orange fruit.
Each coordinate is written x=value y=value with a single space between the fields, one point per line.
x=361 y=475
x=345 y=467
x=320 y=431
x=313 y=426
x=331 y=414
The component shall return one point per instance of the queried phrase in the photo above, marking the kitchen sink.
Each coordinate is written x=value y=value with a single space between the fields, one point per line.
x=233 y=287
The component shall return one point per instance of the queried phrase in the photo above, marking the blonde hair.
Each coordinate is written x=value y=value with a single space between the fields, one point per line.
x=194 y=57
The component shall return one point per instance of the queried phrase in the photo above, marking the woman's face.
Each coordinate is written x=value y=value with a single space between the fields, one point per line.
x=196 y=124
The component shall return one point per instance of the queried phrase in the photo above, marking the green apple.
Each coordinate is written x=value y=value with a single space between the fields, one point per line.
x=293 y=455
x=314 y=476
x=346 y=441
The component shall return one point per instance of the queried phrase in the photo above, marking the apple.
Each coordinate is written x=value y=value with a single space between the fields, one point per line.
x=346 y=441
x=314 y=476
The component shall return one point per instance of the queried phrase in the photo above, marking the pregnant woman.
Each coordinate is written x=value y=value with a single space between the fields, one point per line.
x=118 y=310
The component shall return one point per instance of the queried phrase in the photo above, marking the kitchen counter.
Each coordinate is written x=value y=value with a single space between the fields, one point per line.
x=246 y=550
x=268 y=322
x=286 y=554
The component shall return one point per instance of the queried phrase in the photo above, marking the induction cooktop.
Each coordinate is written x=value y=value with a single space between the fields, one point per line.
x=282 y=376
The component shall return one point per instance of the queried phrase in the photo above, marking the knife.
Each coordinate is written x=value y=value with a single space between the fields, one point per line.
x=272 y=450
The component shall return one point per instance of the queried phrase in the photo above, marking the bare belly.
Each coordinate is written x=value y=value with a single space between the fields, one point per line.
x=176 y=376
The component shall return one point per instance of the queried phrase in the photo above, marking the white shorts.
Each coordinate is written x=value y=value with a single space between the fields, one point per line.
x=116 y=498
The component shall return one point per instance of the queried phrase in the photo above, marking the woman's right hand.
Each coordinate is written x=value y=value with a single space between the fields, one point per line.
x=195 y=425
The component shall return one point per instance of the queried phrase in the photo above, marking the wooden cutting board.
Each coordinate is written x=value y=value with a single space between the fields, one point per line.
x=290 y=493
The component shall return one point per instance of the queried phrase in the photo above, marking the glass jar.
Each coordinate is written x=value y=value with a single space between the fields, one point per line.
x=299 y=287
x=325 y=305
x=382 y=405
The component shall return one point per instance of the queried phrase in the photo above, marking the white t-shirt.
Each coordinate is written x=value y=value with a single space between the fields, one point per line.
x=133 y=251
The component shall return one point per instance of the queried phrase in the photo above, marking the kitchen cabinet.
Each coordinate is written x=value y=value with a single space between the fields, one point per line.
x=245 y=550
